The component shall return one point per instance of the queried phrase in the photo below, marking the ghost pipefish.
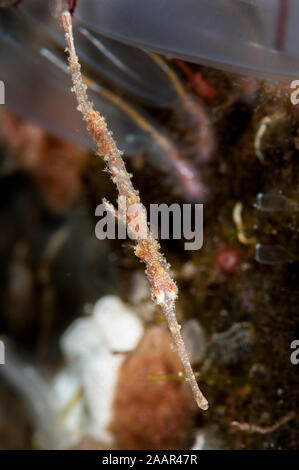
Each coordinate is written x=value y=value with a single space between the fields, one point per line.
x=163 y=288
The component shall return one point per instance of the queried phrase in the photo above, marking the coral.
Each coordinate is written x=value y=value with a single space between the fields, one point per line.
x=152 y=414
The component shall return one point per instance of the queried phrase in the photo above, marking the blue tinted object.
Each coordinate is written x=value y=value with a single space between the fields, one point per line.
x=250 y=36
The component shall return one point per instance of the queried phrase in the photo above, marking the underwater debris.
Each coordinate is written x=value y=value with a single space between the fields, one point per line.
x=232 y=345
x=163 y=288
x=254 y=428
x=237 y=218
x=54 y=164
x=263 y=127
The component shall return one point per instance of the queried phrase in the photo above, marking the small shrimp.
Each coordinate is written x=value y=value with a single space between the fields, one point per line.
x=197 y=81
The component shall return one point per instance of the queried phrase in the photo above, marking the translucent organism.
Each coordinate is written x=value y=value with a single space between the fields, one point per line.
x=272 y=254
x=253 y=36
x=123 y=81
x=274 y=201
